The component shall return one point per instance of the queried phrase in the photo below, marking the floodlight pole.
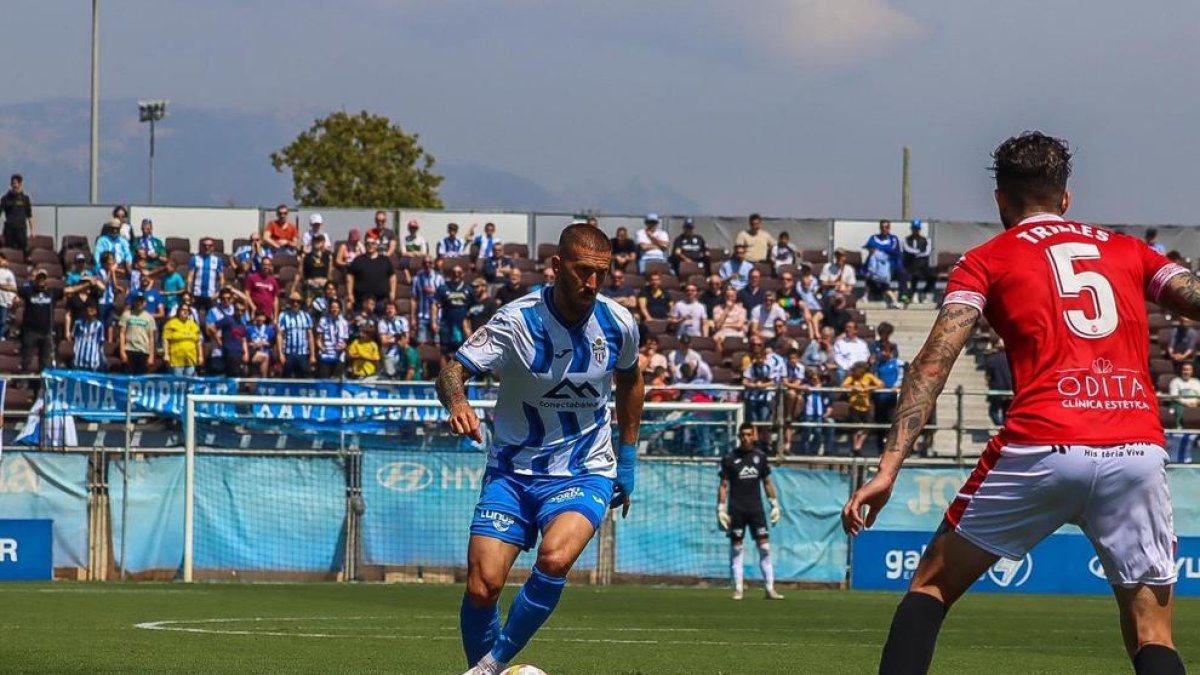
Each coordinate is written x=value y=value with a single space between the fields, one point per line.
x=151 y=111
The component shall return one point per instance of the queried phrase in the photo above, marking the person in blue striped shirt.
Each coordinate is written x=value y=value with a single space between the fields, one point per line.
x=294 y=339
x=108 y=284
x=87 y=340
x=206 y=274
x=425 y=288
x=482 y=244
x=451 y=245
x=333 y=335
x=553 y=469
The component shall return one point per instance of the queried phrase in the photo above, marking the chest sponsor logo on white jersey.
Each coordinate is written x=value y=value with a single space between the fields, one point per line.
x=1102 y=386
x=568 y=394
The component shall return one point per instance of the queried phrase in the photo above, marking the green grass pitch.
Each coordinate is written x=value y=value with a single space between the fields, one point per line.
x=337 y=628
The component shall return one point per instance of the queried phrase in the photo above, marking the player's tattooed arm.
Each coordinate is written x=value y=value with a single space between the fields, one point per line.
x=924 y=380
x=631 y=398
x=1181 y=295
x=451 y=384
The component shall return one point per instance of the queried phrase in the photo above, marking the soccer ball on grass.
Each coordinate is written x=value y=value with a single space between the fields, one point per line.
x=523 y=670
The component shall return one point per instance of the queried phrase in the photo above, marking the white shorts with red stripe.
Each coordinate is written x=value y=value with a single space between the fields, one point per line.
x=1020 y=494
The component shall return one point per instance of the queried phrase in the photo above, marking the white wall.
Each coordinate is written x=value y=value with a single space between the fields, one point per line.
x=510 y=227
x=196 y=223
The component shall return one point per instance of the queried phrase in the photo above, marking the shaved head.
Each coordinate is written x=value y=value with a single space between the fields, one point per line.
x=580 y=238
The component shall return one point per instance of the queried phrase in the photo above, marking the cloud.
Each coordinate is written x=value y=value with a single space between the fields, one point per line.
x=824 y=33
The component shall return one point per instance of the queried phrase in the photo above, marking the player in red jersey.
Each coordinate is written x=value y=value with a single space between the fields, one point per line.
x=1082 y=442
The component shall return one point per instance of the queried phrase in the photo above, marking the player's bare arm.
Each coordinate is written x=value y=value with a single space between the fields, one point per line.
x=631 y=398
x=772 y=499
x=925 y=380
x=1181 y=295
x=451 y=391
x=722 y=501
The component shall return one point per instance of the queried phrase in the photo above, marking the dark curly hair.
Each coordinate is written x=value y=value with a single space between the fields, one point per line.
x=1032 y=169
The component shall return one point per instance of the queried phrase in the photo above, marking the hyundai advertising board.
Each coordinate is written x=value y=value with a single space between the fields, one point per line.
x=1063 y=563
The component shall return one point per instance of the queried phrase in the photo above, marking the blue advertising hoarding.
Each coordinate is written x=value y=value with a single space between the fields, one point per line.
x=26 y=550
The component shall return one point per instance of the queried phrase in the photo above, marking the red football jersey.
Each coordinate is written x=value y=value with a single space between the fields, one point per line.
x=1069 y=301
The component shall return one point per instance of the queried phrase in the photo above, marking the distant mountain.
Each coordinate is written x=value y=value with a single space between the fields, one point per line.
x=214 y=157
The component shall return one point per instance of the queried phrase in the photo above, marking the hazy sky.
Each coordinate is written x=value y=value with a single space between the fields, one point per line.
x=790 y=107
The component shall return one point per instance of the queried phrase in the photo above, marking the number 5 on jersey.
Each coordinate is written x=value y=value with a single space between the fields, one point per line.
x=1072 y=284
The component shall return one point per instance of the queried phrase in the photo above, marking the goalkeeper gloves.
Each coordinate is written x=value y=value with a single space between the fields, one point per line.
x=626 y=473
x=776 y=513
x=722 y=517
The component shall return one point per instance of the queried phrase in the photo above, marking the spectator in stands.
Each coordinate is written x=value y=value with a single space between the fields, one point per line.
x=173 y=286
x=186 y=299
x=260 y=340
x=424 y=294
x=883 y=332
x=498 y=266
x=367 y=313
x=818 y=355
x=206 y=274
x=262 y=287
x=83 y=294
x=849 y=349
x=624 y=250
x=650 y=358
x=333 y=334
x=889 y=244
x=8 y=293
x=249 y=257
x=385 y=235
x=220 y=308
x=730 y=319
x=391 y=326
x=138 y=338
x=451 y=246
x=736 y=270
x=782 y=252
x=363 y=353
x=353 y=247
x=696 y=373
x=408 y=360
x=37 y=321
x=79 y=270
x=281 y=234
x=120 y=217
x=878 y=272
x=795 y=305
x=1187 y=390
x=414 y=244
x=315 y=222
x=783 y=343
x=713 y=295
x=181 y=343
x=453 y=301
x=817 y=409
x=837 y=315
x=483 y=306
x=110 y=241
x=138 y=271
x=155 y=305
x=683 y=355
x=155 y=250
x=862 y=383
x=917 y=267
x=620 y=291
x=657 y=387
x=1152 y=240
x=653 y=301
x=999 y=378
x=687 y=316
x=765 y=314
x=837 y=276
x=295 y=348
x=752 y=295
x=320 y=304
x=793 y=394
x=371 y=275
x=760 y=379
x=482 y=244
x=890 y=371
x=757 y=241
x=87 y=342
x=1182 y=348
x=689 y=246
x=107 y=282
x=547 y=280
x=511 y=290
x=315 y=268
x=17 y=208
x=652 y=243
x=233 y=330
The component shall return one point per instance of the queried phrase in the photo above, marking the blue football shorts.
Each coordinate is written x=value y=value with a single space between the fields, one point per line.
x=515 y=508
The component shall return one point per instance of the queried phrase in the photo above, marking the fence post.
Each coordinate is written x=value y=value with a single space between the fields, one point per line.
x=125 y=474
x=958 y=424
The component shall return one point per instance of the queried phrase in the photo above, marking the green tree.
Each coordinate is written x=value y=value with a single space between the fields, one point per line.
x=359 y=160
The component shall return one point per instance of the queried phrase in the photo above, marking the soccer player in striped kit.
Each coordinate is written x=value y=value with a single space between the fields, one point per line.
x=1082 y=442
x=551 y=467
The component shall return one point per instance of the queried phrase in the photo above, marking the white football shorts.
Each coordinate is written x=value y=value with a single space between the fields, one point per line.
x=1117 y=494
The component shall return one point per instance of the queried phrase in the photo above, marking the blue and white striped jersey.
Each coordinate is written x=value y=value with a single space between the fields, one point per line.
x=209 y=270
x=424 y=292
x=552 y=416
x=295 y=327
x=89 y=344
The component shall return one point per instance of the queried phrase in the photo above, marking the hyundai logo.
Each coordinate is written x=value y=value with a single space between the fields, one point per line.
x=404 y=476
x=1011 y=573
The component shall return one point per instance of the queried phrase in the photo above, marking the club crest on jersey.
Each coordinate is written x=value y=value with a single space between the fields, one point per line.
x=600 y=350
x=479 y=338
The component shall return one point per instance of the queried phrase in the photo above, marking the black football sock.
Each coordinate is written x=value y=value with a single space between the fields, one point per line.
x=1157 y=660
x=913 y=636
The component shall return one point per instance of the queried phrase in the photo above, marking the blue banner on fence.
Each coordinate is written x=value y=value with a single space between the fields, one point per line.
x=95 y=396
x=1062 y=563
x=36 y=485
x=672 y=530
x=25 y=550
x=419 y=508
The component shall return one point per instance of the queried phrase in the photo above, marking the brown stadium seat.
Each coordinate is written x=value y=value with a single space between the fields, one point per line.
x=799 y=330
x=403 y=291
x=1164 y=338
x=670 y=282
x=1160 y=367
x=42 y=256
x=712 y=358
x=854 y=258
x=667 y=343
x=530 y=279
x=218 y=245
x=770 y=284
x=65 y=353
x=239 y=243
x=181 y=259
x=784 y=269
x=733 y=343
x=723 y=375
x=687 y=269
x=519 y=251
x=403 y=306
x=660 y=267
x=42 y=242
x=1163 y=383
x=656 y=326
x=526 y=265
x=702 y=343
x=546 y=251
x=635 y=281
x=9 y=364
x=9 y=347
x=765 y=269
x=285 y=260
x=13 y=255
x=802 y=344
x=716 y=256
x=286 y=276
x=700 y=280
x=173 y=244
x=737 y=361
x=676 y=296
x=1167 y=417
x=1190 y=418
x=18 y=398
x=816 y=256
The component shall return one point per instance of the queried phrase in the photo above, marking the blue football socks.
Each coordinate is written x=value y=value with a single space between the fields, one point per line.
x=532 y=606
x=480 y=627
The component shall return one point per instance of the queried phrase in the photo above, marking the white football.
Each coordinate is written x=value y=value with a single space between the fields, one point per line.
x=523 y=670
